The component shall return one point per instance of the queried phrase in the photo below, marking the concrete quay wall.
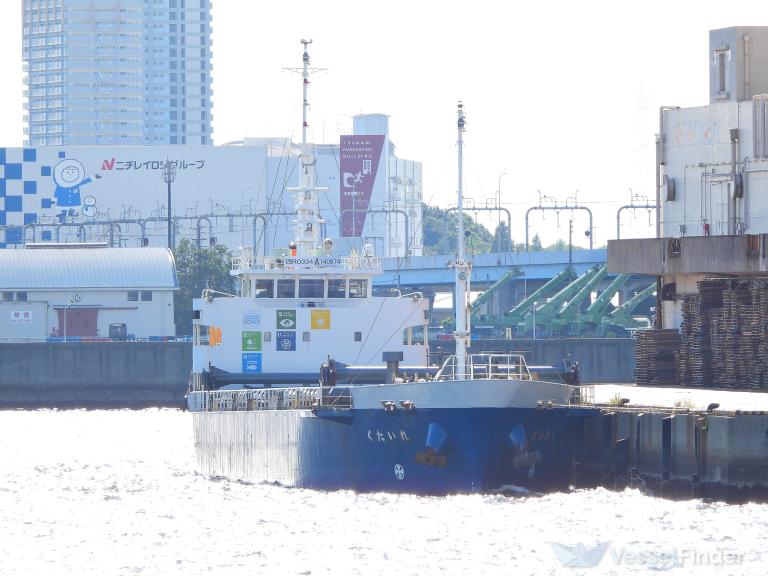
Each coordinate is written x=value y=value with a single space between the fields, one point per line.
x=600 y=360
x=683 y=454
x=94 y=374
x=141 y=374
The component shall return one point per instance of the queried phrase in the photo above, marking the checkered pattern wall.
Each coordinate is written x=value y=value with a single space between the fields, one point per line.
x=21 y=202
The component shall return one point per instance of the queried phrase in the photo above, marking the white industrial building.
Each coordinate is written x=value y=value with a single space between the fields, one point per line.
x=235 y=194
x=711 y=179
x=80 y=292
x=714 y=158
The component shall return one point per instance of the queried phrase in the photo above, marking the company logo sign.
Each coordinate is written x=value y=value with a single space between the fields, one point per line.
x=579 y=556
x=646 y=560
x=123 y=165
x=286 y=319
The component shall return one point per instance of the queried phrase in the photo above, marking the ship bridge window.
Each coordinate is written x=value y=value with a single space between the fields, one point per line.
x=358 y=288
x=337 y=288
x=414 y=335
x=200 y=334
x=310 y=288
x=264 y=289
x=286 y=288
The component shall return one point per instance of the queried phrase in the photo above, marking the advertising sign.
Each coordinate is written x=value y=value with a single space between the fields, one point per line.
x=358 y=165
x=50 y=185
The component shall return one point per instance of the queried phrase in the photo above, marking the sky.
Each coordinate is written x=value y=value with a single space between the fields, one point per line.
x=561 y=97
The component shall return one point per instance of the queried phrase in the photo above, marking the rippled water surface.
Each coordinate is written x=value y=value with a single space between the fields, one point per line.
x=116 y=493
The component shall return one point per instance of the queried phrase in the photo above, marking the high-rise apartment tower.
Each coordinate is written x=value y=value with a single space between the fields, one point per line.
x=117 y=72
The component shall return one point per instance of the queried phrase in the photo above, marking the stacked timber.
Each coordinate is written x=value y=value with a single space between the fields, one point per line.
x=691 y=342
x=724 y=334
x=656 y=358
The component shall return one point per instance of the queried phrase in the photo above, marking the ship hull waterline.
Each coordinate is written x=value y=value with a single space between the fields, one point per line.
x=422 y=451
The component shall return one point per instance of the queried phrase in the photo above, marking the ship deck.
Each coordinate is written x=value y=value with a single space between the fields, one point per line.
x=675 y=397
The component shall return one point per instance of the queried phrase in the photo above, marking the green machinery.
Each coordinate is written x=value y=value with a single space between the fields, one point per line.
x=592 y=321
x=554 y=316
x=477 y=318
x=517 y=314
x=622 y=315
x=563 y=314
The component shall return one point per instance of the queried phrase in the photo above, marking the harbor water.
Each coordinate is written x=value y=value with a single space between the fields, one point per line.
x=116 y=493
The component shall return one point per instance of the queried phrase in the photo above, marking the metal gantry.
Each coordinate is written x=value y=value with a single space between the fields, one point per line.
x=633 y=205
x=558 y=209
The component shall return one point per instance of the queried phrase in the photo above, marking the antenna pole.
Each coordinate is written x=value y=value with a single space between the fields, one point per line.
x=463 y=267
x=306 y=196
x=305 y=102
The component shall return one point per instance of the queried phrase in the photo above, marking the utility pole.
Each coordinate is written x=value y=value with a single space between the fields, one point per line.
x=570 y=243
x=169 y=175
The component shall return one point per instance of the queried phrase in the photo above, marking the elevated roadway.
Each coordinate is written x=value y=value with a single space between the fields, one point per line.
x=435 y=271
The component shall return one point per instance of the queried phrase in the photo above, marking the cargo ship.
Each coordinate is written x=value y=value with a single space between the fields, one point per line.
x=306 y=378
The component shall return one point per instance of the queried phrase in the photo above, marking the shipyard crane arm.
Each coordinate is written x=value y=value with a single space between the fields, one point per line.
x=604 y=299
x=513 y=272
x=516 y=314
x=571 y=307
x=626 y=308
x=553 y=305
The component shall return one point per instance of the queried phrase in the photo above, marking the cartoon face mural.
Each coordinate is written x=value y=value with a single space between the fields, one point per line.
x=69 y=175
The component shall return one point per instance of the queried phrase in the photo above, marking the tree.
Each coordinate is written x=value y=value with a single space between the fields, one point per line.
x=196 y=269
x=536 y=244
x=501 y=239
x=559 y=246
x=440 y=229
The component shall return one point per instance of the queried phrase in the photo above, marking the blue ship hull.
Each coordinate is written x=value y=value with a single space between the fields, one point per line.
x=423 y=451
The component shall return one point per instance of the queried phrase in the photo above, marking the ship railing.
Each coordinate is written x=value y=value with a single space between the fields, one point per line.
x=243 y=262
x=485 y=367
x=583 y=395
x=298 y=398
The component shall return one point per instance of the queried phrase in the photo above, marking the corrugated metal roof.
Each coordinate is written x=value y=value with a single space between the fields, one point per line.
x=110 y=268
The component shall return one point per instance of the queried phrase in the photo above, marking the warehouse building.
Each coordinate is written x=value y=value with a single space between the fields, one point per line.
x=86 y=292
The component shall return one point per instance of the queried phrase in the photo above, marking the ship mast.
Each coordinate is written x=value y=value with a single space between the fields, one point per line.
x=463 y=267
x=306 y=196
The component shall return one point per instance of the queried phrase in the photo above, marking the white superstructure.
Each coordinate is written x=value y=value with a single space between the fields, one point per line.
x=305 y=303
